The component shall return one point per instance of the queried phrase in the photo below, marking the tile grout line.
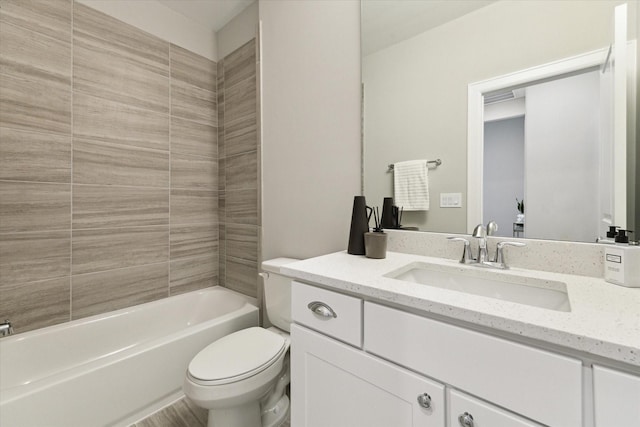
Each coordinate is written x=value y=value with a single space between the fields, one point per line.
x=222 y=221
x=170 y=182
x=73 y=3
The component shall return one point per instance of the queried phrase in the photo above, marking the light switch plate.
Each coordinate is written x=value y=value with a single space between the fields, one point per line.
x=450 y=200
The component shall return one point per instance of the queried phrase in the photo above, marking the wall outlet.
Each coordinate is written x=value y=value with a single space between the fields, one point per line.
x=450 y=200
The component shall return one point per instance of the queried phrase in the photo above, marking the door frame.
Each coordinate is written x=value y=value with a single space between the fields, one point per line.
x=475 y=117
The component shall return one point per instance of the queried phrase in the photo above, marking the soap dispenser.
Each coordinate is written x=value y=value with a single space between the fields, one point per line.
x=622 y=261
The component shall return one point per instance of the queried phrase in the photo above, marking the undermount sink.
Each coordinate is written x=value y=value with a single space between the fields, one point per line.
x=531 y=291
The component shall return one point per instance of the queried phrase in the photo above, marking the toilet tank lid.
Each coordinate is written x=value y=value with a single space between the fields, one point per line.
x=273 y=265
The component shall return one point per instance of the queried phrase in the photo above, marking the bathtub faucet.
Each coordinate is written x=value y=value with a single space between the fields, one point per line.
x=6 y=328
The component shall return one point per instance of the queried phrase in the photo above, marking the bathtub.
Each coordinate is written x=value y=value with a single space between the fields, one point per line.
x=115 y=368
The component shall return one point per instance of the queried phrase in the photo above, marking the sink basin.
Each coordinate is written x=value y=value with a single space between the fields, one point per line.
x=531 y=291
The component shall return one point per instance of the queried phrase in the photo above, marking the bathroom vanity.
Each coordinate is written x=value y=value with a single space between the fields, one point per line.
x=405 y=341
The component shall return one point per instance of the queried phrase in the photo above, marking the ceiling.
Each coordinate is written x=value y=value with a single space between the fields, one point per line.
x=212 y=14
x=386 y=22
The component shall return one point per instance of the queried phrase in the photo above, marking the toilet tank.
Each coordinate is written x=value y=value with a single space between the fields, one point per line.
x=277 y=292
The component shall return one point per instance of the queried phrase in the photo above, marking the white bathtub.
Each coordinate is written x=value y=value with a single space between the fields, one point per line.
x=114 y=368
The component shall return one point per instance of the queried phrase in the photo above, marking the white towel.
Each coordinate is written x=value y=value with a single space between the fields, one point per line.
x=411 y=185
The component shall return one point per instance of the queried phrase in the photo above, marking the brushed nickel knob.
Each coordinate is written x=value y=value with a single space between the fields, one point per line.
x=424 y=400
x=466 y=420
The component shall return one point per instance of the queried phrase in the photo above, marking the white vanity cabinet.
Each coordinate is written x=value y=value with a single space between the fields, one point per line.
x=540 y=385
x=337 y=385
x=359 y=363
x=616 y=398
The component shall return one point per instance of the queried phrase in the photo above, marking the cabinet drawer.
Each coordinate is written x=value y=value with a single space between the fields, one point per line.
x=336 y=315
x=540 y=385
x=467 y=411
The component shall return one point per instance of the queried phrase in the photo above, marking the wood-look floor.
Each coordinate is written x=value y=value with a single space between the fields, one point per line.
x=183 y=413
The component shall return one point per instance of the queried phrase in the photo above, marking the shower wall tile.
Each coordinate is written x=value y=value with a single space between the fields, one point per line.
x=194 y=172
x=115 y=122
x=49 y=17
x=239 y=101
x=108 y=249
x=241 y=171
x=97 y=293
x=125 y=40
x=221 y=124
x=242 y=276
x=27 y=206
x=27 y=257
x=241 y=207
x=37 y=104
x=241 y=136
x=98 y=206
x=36 y=304
x=34 y=156
x=188 y=67
x=193 y=138
x=194 y=206
x=33 y=55
x=193 y=273
x=193 y=240
x=238 y=170
x=113 y=165
x=117 y=61
x=193 y=103
x=222 y=254
x=95 y=162
x=222 y=179
x=240 y=64
x=242 y=242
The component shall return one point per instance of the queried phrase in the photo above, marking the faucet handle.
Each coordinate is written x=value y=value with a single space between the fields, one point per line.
x=467 y=258
x=499 y=251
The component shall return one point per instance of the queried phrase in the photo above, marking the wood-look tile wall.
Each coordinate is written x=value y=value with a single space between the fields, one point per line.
x=112 y=190
x=238 y=174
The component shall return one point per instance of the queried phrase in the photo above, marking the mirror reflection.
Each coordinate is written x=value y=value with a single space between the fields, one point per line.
x=555 y=157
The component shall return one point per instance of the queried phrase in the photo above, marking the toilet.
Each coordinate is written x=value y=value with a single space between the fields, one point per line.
x=242 y=377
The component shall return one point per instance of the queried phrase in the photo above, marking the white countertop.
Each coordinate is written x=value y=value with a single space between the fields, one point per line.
x=604 y=319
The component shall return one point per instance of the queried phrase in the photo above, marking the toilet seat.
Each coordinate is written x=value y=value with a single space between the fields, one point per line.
x=236 y=357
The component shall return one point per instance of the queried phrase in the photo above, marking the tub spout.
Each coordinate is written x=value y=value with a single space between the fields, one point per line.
x=6 y=328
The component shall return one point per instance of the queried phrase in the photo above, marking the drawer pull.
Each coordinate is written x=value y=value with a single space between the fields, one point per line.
x=424 y=400
x=466 y=420
x=322 y=309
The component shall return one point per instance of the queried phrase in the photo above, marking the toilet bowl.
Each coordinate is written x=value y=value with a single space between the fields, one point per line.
x=241 y=378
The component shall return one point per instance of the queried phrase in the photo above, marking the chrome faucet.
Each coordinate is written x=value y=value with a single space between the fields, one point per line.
x=6 y=328
x=481 y=234
x=483 y=260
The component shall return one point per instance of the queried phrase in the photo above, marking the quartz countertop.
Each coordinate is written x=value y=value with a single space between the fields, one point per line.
x=604 y=319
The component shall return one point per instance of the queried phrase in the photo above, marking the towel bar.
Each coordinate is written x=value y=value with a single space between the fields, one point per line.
x=437 y=162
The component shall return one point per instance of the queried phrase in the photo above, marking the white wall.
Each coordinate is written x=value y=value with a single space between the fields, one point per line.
x=561 y=153
x=238 y=31
x=161 y=21
x=310 y=124
x=503 y=179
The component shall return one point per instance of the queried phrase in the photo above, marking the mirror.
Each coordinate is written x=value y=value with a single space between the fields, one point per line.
x=419 y=59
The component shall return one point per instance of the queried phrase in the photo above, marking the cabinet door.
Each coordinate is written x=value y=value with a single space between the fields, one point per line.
x=466 y=411
x=616 y=398
x=335 y=385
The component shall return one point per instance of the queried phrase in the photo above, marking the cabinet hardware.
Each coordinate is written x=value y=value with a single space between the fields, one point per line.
x=466 y=420
x=424 y=400
x=322 y=309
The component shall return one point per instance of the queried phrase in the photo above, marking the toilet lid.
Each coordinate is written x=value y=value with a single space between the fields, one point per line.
x=237 y=356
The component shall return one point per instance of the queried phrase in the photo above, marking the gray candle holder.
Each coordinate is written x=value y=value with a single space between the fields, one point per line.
x=375 y=245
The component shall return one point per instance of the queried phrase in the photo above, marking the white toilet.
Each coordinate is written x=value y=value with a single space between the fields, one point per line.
x=241 y=378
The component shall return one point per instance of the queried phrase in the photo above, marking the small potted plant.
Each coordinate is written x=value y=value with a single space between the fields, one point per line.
x=520 y=216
